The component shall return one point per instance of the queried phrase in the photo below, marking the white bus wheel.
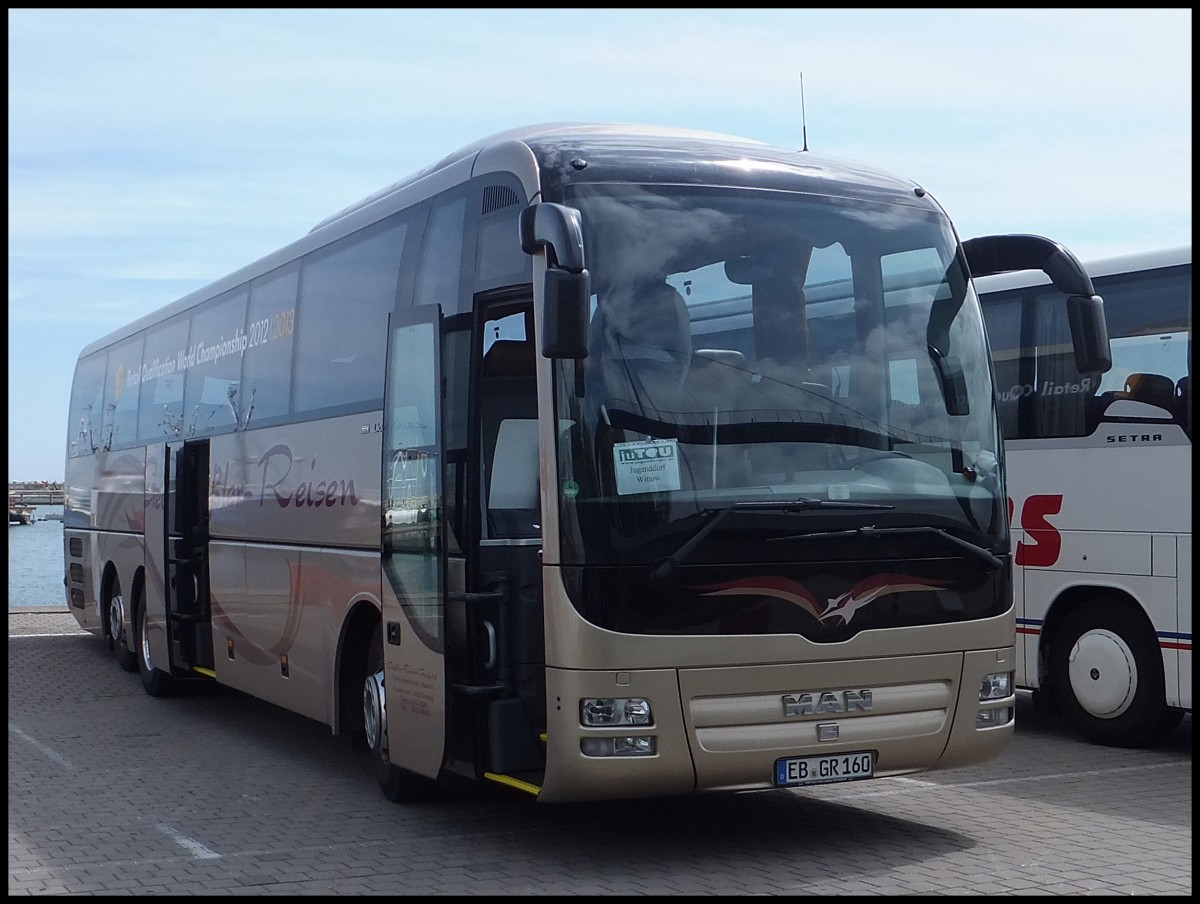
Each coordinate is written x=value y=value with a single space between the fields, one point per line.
x=1107 y=676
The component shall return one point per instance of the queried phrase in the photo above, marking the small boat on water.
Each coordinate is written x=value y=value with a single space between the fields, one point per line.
x=20 y=514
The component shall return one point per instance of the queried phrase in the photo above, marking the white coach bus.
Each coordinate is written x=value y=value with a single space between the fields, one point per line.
x=1100 y=487
x=597 y=461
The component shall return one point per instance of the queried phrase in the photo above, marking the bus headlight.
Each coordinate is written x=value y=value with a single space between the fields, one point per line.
x=638 y=745
x=992 y=718
x=604 y=711
x=996 y=687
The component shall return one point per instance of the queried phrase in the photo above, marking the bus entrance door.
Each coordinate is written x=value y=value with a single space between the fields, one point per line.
x=500 y=654
x=413 y=545
x=188 y=612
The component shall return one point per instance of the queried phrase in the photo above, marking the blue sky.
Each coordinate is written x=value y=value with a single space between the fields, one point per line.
x=153 y=151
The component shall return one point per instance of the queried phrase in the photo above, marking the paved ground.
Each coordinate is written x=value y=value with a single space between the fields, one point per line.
x=113 y=792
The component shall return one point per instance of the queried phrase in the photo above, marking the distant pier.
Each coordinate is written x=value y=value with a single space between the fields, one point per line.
x=34 y=493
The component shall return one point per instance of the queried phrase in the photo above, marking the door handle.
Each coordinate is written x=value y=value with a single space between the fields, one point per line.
x=491 y=639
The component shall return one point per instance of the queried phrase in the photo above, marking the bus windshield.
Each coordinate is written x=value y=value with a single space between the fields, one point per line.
x=753 y=349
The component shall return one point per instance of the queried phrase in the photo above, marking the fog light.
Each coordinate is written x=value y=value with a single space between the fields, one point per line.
x=637 y=745
x=996 y=687
x=993 y=718
x=615 y=711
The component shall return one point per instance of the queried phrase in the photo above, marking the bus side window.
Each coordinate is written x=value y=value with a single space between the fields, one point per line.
x=1153 y=389
x=1147 y=389
x=508 y=397
x=513 y=492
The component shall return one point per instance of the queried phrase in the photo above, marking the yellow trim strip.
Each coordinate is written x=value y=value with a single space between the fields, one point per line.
x=512 y=782
x=209 y=672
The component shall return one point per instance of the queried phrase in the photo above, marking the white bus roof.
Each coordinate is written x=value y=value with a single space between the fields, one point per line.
x=1104 y=266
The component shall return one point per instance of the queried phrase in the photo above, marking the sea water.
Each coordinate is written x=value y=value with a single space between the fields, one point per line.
x=35 y=560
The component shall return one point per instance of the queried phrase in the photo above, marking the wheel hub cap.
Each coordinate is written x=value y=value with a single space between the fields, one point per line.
x=1103 y=674
x=375 y=710
x=116 y=617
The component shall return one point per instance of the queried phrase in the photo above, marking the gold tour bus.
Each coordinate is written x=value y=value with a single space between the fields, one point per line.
x=599 y=461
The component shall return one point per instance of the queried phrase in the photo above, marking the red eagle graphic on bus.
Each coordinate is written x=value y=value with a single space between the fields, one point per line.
x=843 y=606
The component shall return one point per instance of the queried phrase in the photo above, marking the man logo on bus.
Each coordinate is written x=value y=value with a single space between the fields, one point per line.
x=806 y=704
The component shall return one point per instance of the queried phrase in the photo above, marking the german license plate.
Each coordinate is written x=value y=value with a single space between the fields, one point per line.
x=828 y=767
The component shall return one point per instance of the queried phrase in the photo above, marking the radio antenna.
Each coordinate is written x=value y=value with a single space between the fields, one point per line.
x=803 y=115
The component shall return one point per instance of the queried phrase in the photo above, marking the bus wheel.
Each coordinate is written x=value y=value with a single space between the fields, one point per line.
x=156 y=682
x=398 y=784
x=1107 y=675
x=117 y=631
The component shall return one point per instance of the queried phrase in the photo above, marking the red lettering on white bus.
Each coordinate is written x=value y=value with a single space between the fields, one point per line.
x=1047 y=541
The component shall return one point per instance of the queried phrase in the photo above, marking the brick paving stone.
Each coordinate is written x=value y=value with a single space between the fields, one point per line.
x=104 y=781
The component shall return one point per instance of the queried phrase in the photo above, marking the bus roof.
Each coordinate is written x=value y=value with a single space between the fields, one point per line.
x=611 y=152
x=1104 y=266
x=626 y=152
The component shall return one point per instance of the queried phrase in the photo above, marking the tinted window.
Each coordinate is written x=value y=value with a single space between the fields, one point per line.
x=1149 y=318
x=346 y=294
x=501 y=259
x=87 y=403
x=440 y=275
x=1042 y=395
x=1149 y=324
x=160 y=406
x=213 y=365
x=270 y=329
x=1002 y=312
x=121 y=389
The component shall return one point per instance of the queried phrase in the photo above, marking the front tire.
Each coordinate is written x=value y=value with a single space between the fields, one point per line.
x=1107 y=676
x=398 y=785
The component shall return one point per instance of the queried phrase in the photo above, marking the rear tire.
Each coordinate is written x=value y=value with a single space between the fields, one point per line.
x=1107 y=674
x=398 y=785
x=156 y=682
x=118 y=630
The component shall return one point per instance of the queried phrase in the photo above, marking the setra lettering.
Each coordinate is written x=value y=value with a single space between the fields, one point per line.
x=1134 y=438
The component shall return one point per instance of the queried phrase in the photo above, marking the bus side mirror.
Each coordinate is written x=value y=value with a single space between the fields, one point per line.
x=566 y=299
x=558 y=229
x=1089 y=333
x=566 y=295
x=1085 y=310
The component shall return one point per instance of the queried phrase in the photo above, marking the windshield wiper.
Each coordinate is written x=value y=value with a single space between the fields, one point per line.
x=714 y=516
x=984 y=556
